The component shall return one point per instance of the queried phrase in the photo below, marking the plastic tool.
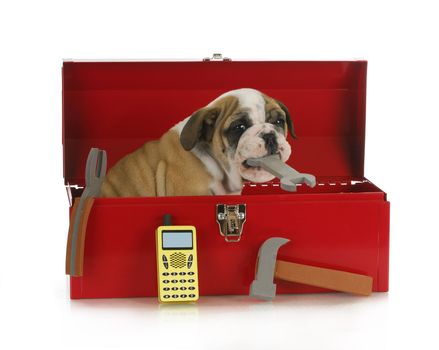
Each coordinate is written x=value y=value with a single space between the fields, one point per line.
x=177 y=269
x=288 y=176
x=268 y=268
x=95 y=170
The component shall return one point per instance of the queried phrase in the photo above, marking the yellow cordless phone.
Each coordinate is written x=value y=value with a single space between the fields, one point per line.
x=177 y=270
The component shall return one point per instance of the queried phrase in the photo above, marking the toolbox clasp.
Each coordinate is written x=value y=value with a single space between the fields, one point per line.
x=231 y=218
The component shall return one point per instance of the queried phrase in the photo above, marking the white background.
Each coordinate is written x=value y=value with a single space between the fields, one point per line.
x=398 y=38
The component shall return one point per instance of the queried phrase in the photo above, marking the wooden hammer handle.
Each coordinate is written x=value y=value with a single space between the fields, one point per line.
x=325 y=278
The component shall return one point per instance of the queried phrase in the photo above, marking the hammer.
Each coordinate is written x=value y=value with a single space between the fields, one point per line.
x=268 y=268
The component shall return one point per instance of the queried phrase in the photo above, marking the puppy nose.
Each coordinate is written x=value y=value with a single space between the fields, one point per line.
x=270 y=142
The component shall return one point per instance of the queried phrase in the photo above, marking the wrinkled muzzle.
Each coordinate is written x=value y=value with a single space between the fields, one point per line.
x=259 y=141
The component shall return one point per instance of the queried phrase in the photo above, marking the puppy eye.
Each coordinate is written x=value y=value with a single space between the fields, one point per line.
x=280 y=122
x=240 y=127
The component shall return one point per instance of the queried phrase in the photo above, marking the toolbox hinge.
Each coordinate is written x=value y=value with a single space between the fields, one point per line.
x=216 y=57
x=231 y=220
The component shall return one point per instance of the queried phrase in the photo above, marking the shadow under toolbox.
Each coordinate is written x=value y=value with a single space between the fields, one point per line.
x=342 y=223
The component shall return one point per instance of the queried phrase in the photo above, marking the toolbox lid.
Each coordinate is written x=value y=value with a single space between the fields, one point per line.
x=118 y=106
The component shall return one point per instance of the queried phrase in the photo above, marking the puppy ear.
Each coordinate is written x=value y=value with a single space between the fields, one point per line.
x=199 y=127
x=288 y=119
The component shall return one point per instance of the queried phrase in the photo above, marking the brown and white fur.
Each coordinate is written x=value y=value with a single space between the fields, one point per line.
x=206 y=153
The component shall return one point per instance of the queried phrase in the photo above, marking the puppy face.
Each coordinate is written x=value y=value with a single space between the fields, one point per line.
x=239 y=125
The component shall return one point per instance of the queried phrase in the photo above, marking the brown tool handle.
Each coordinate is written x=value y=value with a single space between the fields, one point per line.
x=70 y=236
x=325 y=278
x=80 y=242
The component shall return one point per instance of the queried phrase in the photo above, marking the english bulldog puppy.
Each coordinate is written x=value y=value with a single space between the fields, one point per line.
x=206 y=153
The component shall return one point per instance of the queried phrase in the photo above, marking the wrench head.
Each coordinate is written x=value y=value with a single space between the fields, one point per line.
x=288 y=185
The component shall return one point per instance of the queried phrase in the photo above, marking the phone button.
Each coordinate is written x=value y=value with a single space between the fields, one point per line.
x=191 y=273
x=175 y=296
x=166 y=296
x=165 y=274
x=183 y=295
x=191 y=281
x=166 y=289
x=165 y=281
x=165 y=261
x=192 y=295
x=191 y=288
x=174 y=281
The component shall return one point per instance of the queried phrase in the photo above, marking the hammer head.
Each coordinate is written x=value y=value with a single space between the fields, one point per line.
x=263 y=287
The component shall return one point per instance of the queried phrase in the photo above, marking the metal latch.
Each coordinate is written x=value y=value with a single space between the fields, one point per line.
x=216 y=57
x=231 y=219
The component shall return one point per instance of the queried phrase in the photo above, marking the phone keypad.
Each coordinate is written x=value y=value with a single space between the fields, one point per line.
x=180 y=292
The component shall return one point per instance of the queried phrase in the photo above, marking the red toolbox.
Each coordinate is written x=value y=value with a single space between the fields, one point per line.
x=342 y=223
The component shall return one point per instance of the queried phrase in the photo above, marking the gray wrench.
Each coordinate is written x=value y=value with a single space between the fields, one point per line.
x=288 y=176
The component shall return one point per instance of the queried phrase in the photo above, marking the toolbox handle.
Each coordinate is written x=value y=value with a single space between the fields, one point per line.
x=217 y=57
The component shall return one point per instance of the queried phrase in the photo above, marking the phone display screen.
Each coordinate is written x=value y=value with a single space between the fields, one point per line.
x=177 y=240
